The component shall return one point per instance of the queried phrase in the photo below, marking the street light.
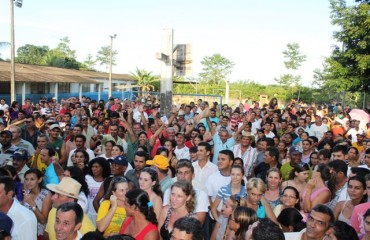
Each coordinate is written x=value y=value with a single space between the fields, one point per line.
x=110 y=65
x=17 y=3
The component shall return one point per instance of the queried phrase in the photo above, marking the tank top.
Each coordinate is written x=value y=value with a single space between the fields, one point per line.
x=341 y=217
x=165 y=234
x=140 y=236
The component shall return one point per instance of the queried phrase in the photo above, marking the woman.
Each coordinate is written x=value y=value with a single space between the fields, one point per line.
x=13 y=110
x=108 y=150
x=272 y=193
x=282 y=150
x=297 y=177
x=289 y=199
x=80 y=159
x=149 y=182
x=141 y=222
x=234 y=188
x=316 y=191
x=171 y=145
x=240 y=221
x=112 y=212
x=98 y=171
x=314 y=160
x=291 y=220
x=182 y=203
x=37 y=198
x=77 y=174
x=273 y=104
x=221 y=229
x=255 y=200
x=356 y=189
x=117 y=150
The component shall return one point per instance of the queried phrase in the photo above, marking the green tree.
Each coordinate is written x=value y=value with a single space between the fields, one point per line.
x=348 y=67
x=89 y=63
x=216 y=69
x=145 y=80
x=63 y=47
x=103 y=56
x=293 y=61
x=31 y=54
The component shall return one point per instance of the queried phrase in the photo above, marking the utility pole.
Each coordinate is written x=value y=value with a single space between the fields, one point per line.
x=110 y=65
x=166 y=71
x=12 y=57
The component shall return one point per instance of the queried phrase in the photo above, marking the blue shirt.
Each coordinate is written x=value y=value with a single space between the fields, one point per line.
x=219 y=145
x=50 y=175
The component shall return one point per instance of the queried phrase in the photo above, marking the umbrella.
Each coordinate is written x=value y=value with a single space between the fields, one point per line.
x=359 y=114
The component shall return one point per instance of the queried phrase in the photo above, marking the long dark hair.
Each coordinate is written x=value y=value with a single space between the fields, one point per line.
x=362 y=180
x=38 y=174
x=154 y=177
x=327 y=176
x=140 y=198
x=103 y=163
x=78 y=175
x=291 y=217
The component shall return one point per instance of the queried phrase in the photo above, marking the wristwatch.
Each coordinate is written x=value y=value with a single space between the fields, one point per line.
x=34 y=208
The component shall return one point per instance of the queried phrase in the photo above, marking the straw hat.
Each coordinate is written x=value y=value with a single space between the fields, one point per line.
x=68 y=187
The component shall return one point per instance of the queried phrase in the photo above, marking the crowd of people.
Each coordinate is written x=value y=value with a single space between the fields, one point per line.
x=87 y=169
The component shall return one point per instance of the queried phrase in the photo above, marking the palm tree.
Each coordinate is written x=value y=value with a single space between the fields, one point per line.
x=144 y=80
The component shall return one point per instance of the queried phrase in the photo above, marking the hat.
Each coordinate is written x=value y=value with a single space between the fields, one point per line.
x=55 y=125
x=159 y=161
x=6 y=223
x=7 y=132
x=67 y=186
x=361 y=134
x=181 y=113
x=249 y=134
x=84 y=117
x=180 y=133
x=295 y=150
x=120 y=160
x=21 y=153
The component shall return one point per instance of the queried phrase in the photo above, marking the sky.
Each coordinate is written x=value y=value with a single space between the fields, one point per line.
x=250 y=33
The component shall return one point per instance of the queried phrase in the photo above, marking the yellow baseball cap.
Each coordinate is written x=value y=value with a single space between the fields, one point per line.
x=159 y=161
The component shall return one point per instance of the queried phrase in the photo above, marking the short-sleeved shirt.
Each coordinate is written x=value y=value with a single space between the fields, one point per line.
x=117 y=220
x=219 y=145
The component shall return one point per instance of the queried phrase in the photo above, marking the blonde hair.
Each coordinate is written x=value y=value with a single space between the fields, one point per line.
x=256 y=183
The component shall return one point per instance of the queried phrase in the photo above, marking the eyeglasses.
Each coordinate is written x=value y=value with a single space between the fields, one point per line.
x=289 y=197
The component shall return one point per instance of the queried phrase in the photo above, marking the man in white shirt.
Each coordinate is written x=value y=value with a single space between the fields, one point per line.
x=318 y=129
x=203 y=167
x=181 y=151
x=25 y=222
x=80 y=141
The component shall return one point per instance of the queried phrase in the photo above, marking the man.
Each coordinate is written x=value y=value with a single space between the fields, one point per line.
x=245 y=151
x=66 y=191
x=181 y=151
x=262 y=145
x=217 y=180
x=366 y=159
x=318 y=128
x=355 y=129
x=7 y=148
x=320 y=219
x=113 y=135
x=80 y=141
x=70 y=143
x=203 y=167
x=68 y=221
x=161 y=166
x=25 y=222
x=133 y=175
x=295 y=158
x=340 y=152
x=188 y=113
x=53 y=172
x=118 y=167
x=187 y=228
x=56 y=142
x=20 y=158
x=222 y=141
x=35 y=161
x=303 y=123
x=360 y=142
x=271 y=160
x=267 y=130
x=264 y=229
x=19 y=142
x=30 y=132
x=340 y=169
x=6 y=225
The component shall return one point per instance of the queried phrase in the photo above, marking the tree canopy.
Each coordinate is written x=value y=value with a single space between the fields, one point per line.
x=216 y=69
x=348 y=67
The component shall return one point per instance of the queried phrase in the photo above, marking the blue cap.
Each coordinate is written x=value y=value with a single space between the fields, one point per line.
x=21 y=153
x=120 y=160
x=295 y=150
x=6 y=223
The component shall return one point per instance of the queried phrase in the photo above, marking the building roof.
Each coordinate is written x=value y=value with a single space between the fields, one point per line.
x=39 y=73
